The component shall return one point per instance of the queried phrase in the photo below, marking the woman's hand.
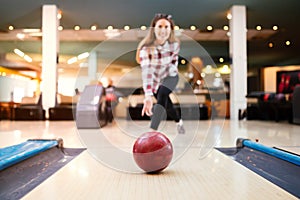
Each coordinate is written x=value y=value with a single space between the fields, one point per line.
x=147 y=108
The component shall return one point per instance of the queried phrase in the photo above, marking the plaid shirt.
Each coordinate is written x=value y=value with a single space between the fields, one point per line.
x=157 y=63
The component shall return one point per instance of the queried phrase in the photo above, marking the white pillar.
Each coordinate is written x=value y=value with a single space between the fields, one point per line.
x=50 y=48
x=92 y=68
x=238 y=54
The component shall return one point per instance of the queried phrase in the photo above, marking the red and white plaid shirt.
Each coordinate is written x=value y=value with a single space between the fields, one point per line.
x=157 y=63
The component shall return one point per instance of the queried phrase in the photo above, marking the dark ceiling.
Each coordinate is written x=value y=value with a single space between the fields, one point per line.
x=284 y=14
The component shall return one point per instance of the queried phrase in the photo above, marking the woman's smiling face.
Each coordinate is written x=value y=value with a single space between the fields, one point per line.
x=162 y=30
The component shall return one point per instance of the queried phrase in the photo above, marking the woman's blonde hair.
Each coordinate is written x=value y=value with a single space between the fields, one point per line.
x=150 y=37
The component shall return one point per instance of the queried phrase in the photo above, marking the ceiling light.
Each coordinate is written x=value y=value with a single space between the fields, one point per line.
x=221 y=60
x=27 y=58
x=176 y=28
x=110 y=28
x=229 y=16
x=93 y=28
x=288 y=43
x=192 y=27
x=76 y=28
x=23 y=55
x=126 y=28
x=83 y=55
x=209 y=28
x=79 y=57
x=275 y=28
x=258 y=27
x=11 y=28
x=72 y=60
x=19 y=52
x=83 y=65
x=271 y=45
x=34 y=32
x=60 y=28
x=143 y=28
x=37 y=34
x=225 y=28
x=59 y=14
x=20 y=36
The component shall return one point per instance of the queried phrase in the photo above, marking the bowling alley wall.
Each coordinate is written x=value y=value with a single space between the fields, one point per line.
x=269 y=75
x=126 y=77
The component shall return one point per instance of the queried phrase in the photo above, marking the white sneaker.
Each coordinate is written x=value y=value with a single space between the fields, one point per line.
x=180 y=128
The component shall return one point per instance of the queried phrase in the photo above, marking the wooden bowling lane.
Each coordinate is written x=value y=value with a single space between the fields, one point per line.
x=215 y=176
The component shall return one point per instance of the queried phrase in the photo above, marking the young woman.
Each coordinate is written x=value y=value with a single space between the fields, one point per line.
x=157 y=54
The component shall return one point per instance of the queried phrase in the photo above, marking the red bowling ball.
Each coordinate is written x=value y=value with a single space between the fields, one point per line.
x=152 y=152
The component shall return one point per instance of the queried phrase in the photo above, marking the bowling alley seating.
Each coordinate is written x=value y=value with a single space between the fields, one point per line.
x=65 y=108
x=268 y=106
x=6 y=109
x=296 y=105
x=30 y=108
x=135 y=106
x=189 y=106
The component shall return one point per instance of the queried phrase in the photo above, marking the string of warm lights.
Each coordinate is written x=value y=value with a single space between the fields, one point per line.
x=142 y=27
x=111 y=31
